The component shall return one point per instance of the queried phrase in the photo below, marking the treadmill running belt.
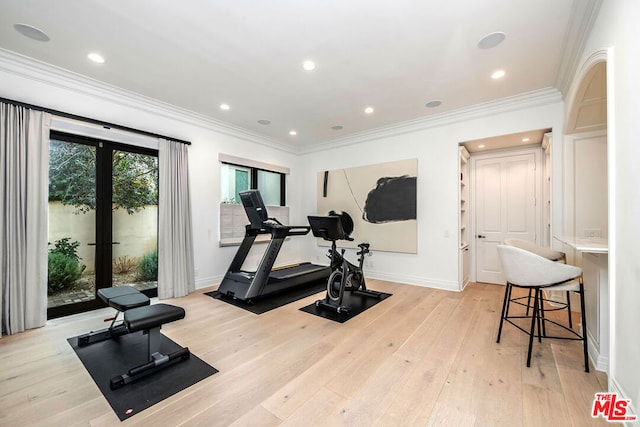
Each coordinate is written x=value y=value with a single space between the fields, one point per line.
x=303 y=268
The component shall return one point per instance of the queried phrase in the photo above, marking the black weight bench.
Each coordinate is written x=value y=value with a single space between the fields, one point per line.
x=122 y=298
x=150 y=319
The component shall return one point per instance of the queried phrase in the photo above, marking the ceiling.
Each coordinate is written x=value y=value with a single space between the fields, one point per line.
x=393 y=56
x=501 y=142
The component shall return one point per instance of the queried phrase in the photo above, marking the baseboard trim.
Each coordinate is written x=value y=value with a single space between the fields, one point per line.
x=414 y=280
x=600 y=362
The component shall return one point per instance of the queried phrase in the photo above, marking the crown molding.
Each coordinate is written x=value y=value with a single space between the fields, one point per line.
x=513 y=103
x=583 y=16
x=29 y=68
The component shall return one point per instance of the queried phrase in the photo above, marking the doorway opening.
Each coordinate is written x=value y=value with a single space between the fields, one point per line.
x=509 y=196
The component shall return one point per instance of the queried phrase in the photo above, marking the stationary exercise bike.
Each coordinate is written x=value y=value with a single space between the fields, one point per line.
x=345 y=276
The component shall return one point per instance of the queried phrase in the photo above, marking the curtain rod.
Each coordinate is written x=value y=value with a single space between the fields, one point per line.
x=93 y=121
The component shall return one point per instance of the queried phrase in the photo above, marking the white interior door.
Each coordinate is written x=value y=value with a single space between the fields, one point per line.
x=505 y=207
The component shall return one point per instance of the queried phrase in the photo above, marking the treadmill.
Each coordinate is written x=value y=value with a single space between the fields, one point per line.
x=248 y=285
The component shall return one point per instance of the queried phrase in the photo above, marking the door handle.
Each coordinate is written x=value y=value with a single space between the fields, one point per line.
x=480 y=236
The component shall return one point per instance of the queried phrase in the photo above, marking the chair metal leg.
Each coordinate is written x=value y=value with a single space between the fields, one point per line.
x=533 y=327
x=506 y=312
x=569 y=309
x=541 y=315
x=542 y=332
x=529 y=301
x=507 y=294
x=584 y=328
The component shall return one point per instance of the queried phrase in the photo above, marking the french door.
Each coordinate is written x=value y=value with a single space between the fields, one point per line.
x=103 y=221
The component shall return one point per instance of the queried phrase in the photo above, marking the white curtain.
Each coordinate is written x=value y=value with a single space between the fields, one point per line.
x=24 y=177
x=175 y=240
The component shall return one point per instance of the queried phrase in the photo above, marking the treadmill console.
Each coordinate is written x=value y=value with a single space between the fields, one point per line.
x=254 y=207
x=260 y=221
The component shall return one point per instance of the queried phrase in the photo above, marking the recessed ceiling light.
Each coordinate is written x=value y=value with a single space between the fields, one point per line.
x=309 y=65
x=337 y=127
x=264 y=122
x=368 y=110
x=525 y=139
x=96 y=57
x=293 y=133
x=481 y=146
x=498 y=74
x=225 y=107
x=31 y=32
x=491 y=40
x=433 y=104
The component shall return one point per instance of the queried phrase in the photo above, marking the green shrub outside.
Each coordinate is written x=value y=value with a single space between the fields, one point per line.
x=64 y=247
x=64 y=268
x=148 y=267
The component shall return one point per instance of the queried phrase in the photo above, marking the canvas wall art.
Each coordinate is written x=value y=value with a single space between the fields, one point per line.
x=381 y=200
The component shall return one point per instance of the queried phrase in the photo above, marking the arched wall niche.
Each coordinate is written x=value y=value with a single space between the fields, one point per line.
x=587 y=100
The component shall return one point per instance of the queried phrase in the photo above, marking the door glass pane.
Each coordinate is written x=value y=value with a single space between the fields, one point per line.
x=72 y=216
x=135 y=220
x=269 y=186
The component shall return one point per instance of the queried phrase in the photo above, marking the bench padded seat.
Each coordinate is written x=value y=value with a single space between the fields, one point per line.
x=152 y=316
x=128 y=302
x=123 y=298
x=106 y=294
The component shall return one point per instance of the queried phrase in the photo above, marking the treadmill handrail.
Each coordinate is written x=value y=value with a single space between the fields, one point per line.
x=290 y=230
x=299 y=230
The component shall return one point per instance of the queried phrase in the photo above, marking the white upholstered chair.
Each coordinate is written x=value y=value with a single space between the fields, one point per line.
x=524 y=269
x=552 y=255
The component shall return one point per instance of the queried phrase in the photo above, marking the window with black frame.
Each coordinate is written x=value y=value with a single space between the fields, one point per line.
x=235 y=178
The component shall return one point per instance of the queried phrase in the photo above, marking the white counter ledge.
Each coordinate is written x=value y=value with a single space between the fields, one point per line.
x=595 y=273
x=594 y=245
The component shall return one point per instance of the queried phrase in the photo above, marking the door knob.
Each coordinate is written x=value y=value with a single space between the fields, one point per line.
x=480 y=236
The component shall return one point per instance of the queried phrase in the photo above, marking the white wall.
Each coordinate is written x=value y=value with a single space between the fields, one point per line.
x=436 y=148
x=617 y=29
x=590 y=158
x=585 y=185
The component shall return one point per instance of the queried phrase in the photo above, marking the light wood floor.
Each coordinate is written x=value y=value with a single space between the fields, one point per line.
x=422 y=357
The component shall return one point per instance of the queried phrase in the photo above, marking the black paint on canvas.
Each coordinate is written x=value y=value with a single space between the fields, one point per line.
x=393 y=199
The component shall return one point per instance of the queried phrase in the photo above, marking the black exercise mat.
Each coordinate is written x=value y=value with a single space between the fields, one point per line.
x=107 y=359
x=270 y=302
x=357 y=302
